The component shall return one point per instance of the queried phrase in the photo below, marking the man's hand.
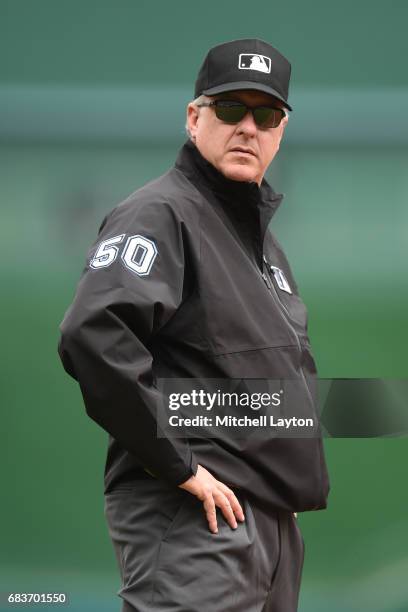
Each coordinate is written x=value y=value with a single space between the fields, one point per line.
x=214 y=493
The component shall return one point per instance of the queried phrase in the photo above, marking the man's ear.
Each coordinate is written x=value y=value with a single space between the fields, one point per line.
x=283 y=125
x=192 y=119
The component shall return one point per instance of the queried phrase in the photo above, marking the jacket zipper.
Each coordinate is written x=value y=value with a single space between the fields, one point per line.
x=281 y=307
x=286 y=317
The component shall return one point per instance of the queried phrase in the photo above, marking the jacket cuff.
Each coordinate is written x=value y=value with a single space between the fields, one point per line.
x=178 y=477
x=191 y=471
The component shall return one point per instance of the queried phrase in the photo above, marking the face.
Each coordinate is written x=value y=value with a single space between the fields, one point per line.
x=242 y=152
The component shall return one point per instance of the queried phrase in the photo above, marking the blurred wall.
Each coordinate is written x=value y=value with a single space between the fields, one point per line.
x=92 y=98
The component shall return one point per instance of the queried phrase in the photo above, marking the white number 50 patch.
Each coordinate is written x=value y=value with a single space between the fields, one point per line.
x=138 y=254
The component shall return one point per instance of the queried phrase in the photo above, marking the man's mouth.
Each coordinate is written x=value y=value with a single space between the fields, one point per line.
x=245 y=150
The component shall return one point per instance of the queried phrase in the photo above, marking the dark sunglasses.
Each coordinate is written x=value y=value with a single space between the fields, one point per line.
x=232 y=111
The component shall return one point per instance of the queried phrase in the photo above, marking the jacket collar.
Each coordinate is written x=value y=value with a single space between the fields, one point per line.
x=239 y=195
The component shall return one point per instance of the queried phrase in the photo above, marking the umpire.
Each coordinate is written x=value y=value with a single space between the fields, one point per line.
x=186 y=280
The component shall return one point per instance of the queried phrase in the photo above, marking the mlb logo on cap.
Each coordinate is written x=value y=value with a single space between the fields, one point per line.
x=248 y=63
x=254 y=61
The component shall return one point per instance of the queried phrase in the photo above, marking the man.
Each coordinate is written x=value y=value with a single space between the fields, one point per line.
x=185 y=280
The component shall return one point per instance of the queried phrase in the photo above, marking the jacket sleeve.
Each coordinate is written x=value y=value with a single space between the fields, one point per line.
x=131 y=286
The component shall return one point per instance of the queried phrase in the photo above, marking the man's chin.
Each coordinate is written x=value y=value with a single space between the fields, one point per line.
x=240 y=172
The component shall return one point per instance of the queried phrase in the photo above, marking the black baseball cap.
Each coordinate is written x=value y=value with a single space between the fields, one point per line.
x=249 y=63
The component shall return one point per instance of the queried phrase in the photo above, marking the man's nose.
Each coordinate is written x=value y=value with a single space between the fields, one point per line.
x=247 y=125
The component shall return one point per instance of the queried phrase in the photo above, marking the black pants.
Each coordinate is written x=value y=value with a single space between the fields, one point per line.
x=170 y=561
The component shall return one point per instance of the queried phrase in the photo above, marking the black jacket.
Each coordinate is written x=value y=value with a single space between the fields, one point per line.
x=179 y=284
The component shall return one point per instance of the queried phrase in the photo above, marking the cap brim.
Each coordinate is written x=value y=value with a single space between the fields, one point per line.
x=245 y=85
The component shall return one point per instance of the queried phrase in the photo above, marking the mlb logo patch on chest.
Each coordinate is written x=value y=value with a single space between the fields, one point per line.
x=280 y=278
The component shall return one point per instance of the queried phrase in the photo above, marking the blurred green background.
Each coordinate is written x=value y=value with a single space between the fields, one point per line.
x=92 y=99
